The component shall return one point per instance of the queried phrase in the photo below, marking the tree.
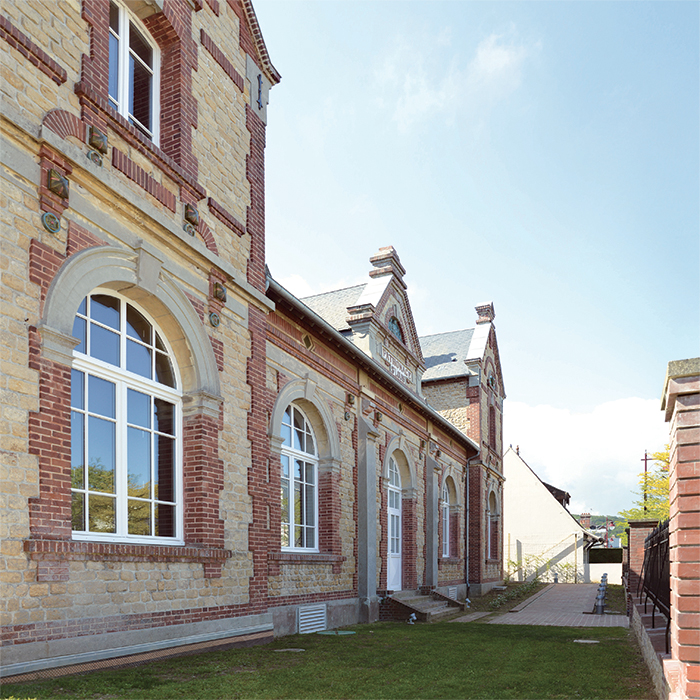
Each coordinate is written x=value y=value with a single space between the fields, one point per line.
x=653 y=485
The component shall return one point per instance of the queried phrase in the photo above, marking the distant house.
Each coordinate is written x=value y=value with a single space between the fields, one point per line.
x=541 y=538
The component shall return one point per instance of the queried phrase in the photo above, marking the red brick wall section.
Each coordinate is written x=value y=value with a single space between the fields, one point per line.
x=36 y=56
x=329 y=515
x=476 y=539
x=261 y=539
x=255 y=173
x=409 y=546
x=43 y=266
x=49 y=440
x=203 y=480
x=639 y=529
x=684 y=532
x=80 y=238
x=225 y=217
x=218 y=55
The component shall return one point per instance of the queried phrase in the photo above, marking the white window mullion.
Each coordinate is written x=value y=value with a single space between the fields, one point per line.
x=121 y=454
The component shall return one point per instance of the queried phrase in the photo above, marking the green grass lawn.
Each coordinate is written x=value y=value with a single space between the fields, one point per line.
x=386 y=660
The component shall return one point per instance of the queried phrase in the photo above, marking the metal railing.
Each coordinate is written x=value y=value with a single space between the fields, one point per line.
x=655 y=580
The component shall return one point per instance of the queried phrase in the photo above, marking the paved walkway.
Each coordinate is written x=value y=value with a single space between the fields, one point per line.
x=561 y=605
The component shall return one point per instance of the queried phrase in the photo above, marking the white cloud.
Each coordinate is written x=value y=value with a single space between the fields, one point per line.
x=419 y=79
x=595 y=456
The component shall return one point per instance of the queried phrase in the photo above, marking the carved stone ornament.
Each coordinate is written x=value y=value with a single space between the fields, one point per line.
x=219 y=291
x=97 y=140
x=58 y=184
x=214 y=319
x=191 y=215
x=51 y=222
x=188 y=228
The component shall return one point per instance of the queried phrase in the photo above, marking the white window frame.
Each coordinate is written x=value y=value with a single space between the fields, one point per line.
x=290 y=453
x=124 y=380
x=445 y=521
x=121 y=104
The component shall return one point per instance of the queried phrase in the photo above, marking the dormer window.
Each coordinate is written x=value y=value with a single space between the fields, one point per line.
x=395 y=329
x=133 y=71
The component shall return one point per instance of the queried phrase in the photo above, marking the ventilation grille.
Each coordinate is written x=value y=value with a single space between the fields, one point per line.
x=452 y=592
x=312 y=618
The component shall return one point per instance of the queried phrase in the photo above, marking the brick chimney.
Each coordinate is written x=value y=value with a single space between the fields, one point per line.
x=485 y=312
x=585 y=520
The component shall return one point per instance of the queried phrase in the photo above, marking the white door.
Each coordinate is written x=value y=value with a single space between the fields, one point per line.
x=393 y=582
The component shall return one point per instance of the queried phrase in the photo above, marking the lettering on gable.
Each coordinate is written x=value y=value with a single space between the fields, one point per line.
x=397 y=368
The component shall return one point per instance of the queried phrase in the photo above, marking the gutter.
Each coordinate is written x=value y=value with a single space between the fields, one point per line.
x=368 y=363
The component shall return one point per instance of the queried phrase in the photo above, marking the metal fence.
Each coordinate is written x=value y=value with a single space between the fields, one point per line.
x=655 y=580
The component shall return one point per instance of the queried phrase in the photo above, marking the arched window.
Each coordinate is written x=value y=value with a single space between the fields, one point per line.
x=299 y=482
x=445 y=521
x=134 y=71
x=493 y=522
x=395 y=328
x=126 y=409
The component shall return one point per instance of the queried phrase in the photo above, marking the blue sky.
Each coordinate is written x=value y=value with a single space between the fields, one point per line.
x=540 y=155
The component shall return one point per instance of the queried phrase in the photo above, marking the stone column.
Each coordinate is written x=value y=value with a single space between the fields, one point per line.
x=681 y=403
x=367 y=521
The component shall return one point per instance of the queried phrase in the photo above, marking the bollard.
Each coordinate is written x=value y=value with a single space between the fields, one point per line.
x=556 y=577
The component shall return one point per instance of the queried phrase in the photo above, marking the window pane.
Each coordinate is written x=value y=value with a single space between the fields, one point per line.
x=309 y=516
x=163 y=416
x=164 y=370
x=139 y=463
x=286 y=435
x=138 y=359
x=77 y=450
x=160 y=345
x=137 y=326
x=104 y=345
x=285 y=501
x=139 y=45
x=285 y=466
x=165 y=521
x=138 y=410
x=298 y=470
x=105 y=309
x=298 y=503
x=102 y=514
x=82 y=309
x=114 y=68
x=77 y=389
x=100 y=455
x=298 y=536
x=114 y=17
x=298 y=431
x=140 y=92
x=139 y=517
x=100 y=396
x=285 y=535
x=165 y=473
x=310 y=537
x=77 y=509
x=79 y=327
x=310 y=476
x=310 y=447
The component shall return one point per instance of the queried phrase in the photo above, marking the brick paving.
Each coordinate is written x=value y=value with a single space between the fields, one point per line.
x=561 y=605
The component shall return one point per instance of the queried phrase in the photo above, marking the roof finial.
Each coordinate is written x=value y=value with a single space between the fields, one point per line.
x=485 y=312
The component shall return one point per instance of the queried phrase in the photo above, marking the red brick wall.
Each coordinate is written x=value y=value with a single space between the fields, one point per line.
x=683 y=398
x=639 y=529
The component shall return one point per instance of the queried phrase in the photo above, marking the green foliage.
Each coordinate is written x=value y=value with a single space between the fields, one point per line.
x=655 y=485
x=521 y=591
x=386 y=660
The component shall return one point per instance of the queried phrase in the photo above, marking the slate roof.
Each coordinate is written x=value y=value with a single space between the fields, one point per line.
x=445 y=354
x=332 y=307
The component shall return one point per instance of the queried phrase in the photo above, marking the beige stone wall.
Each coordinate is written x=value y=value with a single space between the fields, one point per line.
x=449 y=400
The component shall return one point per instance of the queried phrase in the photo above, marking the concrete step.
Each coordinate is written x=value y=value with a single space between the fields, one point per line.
x=427 y=608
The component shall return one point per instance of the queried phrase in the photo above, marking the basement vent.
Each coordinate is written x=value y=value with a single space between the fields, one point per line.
x=452 y=592
x=312 y=618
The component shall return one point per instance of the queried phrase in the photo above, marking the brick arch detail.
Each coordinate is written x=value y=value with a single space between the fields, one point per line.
x=208 y=237
x=64 y=124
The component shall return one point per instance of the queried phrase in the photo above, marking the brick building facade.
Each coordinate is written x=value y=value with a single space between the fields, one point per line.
x=190 y=454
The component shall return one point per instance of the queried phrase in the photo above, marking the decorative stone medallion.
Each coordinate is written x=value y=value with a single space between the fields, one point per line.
x=191 y=215
x=51 y=222
x=219 y=291
x=95 y=157
x=214 y=319
x=188 y=228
